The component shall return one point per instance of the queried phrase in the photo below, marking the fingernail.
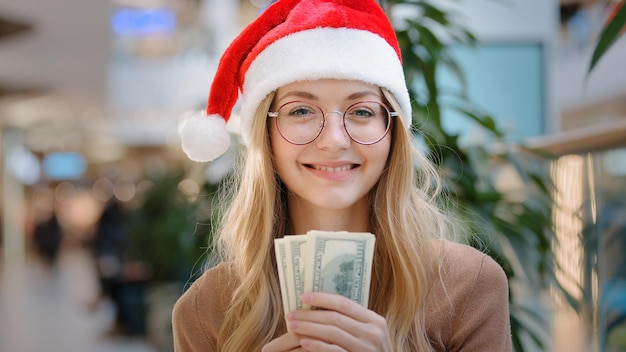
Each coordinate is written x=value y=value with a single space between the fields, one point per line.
x=307 y=297
x=293 y=325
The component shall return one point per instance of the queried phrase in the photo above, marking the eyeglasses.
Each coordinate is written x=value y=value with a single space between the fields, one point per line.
x=301 y=122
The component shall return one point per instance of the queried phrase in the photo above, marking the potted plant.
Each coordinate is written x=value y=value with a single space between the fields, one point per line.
x=515 y=229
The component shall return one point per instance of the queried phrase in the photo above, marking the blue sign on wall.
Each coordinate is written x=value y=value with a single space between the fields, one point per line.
x=143 y=22
x=64 y=166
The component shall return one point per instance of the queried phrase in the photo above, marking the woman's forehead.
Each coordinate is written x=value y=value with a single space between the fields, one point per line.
x=324 y=88
x=324 y=82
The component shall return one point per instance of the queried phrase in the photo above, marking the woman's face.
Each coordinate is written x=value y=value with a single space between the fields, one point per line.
x=332 y=171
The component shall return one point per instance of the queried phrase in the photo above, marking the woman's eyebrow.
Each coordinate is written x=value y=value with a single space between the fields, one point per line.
x=299 y=94
x=363 y=94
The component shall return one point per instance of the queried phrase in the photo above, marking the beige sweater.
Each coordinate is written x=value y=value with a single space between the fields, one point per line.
x=472 y=314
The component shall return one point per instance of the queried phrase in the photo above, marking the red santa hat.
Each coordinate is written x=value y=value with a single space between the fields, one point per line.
x=296 y=40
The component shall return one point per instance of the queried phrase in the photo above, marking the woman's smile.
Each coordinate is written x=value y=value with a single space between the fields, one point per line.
x=333 y=172
x=331 y=168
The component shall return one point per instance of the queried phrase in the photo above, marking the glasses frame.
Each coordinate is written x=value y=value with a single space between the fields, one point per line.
x=274 y=114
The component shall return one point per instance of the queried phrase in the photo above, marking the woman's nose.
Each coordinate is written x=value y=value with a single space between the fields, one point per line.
x=334 y=133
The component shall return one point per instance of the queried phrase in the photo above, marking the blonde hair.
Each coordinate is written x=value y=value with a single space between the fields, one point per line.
x=404 y=215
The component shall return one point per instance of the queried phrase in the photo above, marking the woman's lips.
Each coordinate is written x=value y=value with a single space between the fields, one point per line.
x=332 y=168
x=339 y=172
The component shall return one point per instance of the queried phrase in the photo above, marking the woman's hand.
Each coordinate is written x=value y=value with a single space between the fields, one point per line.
x=288 y=342
x=339 y=325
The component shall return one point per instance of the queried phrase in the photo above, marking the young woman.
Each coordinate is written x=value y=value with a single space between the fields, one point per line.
x=353 y=167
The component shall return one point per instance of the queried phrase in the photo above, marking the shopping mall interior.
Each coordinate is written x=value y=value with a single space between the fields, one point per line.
x=91 y=95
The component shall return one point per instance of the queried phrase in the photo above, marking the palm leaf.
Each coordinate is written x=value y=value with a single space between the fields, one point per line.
x=609 y=35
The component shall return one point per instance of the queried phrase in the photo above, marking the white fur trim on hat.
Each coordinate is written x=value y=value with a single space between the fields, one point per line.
x=203 y=137
x=338 y=53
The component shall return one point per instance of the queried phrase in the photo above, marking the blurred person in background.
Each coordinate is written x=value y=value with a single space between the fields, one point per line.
x=47 y=239
x=108 y=250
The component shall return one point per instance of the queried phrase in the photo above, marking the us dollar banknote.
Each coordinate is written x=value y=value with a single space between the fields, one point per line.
x=281 y=263
x=296 y=251
x=338 y=262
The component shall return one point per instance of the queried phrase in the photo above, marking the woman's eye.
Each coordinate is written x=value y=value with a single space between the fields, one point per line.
x=362 y=112
x=301 y=111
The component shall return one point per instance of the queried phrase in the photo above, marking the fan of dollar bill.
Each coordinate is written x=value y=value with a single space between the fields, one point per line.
x=337 y=262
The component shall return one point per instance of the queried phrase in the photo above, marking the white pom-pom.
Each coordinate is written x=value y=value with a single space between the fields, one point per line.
x=204 y=137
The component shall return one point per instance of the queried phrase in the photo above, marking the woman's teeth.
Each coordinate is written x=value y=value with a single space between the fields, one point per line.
x=333 y=169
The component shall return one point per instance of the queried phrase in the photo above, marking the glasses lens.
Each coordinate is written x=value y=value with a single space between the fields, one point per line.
x=367 y=122
x=300 y=122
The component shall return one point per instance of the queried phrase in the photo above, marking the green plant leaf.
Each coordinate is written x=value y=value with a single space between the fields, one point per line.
x=484 y=120
x=609 y=35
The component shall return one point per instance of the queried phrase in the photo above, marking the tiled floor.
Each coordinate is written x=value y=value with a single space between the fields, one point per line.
x=43 y=310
